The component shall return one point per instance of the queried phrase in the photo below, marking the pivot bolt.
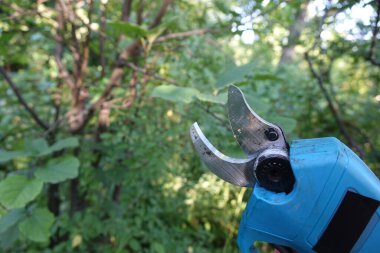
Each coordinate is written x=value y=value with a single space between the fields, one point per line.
x=271 y=134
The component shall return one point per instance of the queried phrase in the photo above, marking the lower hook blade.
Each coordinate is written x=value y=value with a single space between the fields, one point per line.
x=235 y=171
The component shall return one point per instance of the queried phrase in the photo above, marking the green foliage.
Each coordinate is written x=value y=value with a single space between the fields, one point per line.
x=186 y=95
x=17 y=191
x=11 y=219
x=5 y=156
x=36 y=225
x=70 y=142
x=235 y=74
x=58 y=170
x=118 y=28
x=175 y=94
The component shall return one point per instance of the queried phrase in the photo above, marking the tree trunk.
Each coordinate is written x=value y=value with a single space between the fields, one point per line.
x=295 y=31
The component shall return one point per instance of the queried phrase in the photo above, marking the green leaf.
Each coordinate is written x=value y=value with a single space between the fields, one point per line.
x=5 y=156
x=151 y=36
x=265 y=77
x=11 y=218
x=17 y=191
x=134 y=244
x=36 y=226
x=59 y=170
x=37 y=146
x=287 y=124
x=175 y=93
x=8 y=237
x=259 y=105
x=157 y=247
x=222 y=6
x=234 y=75
x=218 y=99
x=125 y=28
x=70 y=142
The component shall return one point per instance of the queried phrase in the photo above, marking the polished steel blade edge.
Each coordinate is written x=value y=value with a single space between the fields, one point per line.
x=250 y=130
x=235 y=171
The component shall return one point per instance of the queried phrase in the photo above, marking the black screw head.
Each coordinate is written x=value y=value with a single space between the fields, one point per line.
x=271 y=134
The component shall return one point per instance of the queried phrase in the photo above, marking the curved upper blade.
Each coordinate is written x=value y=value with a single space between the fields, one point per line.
x=250 y=130
x=235 y=171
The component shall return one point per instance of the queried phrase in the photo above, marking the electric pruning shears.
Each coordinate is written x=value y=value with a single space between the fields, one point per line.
x=314 y=195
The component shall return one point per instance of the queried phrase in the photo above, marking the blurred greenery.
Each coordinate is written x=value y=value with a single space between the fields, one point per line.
x=97 y=98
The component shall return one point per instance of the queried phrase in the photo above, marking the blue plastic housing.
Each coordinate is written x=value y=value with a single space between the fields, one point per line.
x=325 y=169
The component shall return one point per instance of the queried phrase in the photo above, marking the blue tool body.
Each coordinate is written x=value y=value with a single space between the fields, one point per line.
x=335 y=197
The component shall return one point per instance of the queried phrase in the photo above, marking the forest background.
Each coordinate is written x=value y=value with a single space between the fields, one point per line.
x=97 y=98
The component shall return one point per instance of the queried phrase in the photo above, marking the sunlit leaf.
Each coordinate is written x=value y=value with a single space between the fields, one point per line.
x=125 y=28
x=175 y=93
x=77 y=240
x=36 y=226
x=218 y=99
x=234 y=75
x=17 y=191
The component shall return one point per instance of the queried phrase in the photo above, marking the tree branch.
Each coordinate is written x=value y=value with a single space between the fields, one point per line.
x=334 y=112
x=63 y=73
x=143 y=71
x=126 y=10
x=102 y=38
x=375 y=31
x=161 y=13
x=84 y=57
x=207 y=110
x=22 y=101
x=118 y=70
x=140 y=13
x=128 y=101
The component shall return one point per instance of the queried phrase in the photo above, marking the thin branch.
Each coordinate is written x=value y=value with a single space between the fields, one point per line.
x=126 y=10
x=102 y=38
x=207 y=110
x=116 y=75
x=63 y=73
x=75 y=44
x=183 y=34
x=367 y=139
x=140 y=13
x=86 y=46
x=54 y=126
x=375 y=31
x=143 y=71
x=22 y=101
x=334 y=112
x=132 y=91
x=118 y=70
x=161 y=13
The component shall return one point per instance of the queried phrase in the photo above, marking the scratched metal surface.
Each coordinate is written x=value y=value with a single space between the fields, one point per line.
x=235 y=171
x=248 y=127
